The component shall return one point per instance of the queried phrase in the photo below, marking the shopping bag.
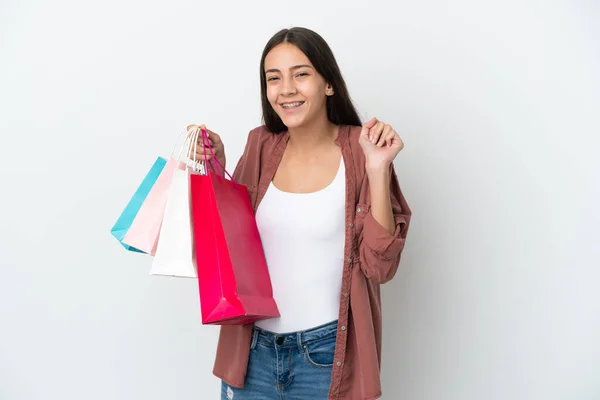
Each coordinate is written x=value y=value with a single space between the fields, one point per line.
x=144 y=230
x=175 y=252
x=233 y=278
x=123 y=224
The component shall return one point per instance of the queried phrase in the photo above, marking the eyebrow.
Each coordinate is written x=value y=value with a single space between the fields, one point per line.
x=291 y=68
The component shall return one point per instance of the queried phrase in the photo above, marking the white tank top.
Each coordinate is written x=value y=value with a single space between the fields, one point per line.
x=303 y=239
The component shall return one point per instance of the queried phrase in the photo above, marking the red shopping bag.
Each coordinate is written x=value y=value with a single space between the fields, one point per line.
x=233 y=278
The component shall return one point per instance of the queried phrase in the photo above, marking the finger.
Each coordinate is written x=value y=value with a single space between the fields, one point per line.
x=206 y=149
x=400 y=141
x=370 y=123
x=201 y=128
x=203 y=157
x=202 y=148
x=391 y=138
x=367 y=126
x=194 y=132
x=195 y=129
x=376 y=131
x=384 y=135
x=212 y=136
x=396 y=140
x=202 y=139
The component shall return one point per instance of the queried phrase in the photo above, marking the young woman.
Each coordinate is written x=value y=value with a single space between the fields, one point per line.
x=333 y=222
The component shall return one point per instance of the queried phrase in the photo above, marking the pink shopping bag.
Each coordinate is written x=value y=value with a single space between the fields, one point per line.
x=144 y=231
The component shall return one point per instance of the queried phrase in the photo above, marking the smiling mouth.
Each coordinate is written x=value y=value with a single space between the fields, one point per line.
x=289 y=106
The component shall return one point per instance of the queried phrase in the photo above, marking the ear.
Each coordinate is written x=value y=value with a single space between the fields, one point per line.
x=329 y=90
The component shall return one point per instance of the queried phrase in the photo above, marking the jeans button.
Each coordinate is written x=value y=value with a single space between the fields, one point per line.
x=279 y=341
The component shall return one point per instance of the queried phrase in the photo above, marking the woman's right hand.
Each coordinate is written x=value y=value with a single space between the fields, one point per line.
x=216 y=144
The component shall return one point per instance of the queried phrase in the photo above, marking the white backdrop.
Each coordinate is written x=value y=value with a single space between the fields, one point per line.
x=498 y=103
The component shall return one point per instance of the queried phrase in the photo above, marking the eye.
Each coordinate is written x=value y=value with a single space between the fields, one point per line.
x=303 y=74
x=272 y=78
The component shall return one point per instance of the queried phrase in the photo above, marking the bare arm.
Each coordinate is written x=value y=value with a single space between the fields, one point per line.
x=381 y=204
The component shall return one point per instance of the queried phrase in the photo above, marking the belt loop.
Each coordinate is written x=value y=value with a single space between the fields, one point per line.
x=254 y=338
x=299 y=340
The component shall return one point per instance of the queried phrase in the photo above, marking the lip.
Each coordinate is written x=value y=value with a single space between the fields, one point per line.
x=292 y=109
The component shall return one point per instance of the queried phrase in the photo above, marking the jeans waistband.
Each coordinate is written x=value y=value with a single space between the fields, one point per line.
x=291 y=339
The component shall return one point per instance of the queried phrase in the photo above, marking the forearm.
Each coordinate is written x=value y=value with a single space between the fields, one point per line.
x=381 y=204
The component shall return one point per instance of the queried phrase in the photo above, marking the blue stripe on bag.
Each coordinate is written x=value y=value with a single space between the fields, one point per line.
x=128 y=215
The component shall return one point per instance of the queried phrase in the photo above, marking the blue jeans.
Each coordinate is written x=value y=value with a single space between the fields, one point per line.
x=288 y=366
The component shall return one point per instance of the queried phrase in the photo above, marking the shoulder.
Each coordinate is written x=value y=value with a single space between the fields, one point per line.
x=353 y=134
x=260 y=138
x=259 y=144
x=258 y=132
x=261 y=134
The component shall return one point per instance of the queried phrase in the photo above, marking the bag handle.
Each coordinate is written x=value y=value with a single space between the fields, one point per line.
x=205 y=167
x=179 y=147
x=192 y=149
x=206 y=141
x=217 y=168
x=178 y=150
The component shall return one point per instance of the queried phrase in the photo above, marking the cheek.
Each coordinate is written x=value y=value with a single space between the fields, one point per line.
x=272 y=95
x=313 y=92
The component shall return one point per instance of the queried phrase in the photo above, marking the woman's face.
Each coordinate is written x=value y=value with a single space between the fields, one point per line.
x=296 y=91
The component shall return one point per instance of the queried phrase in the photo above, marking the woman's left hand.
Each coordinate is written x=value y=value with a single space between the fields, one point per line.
x=380 y=143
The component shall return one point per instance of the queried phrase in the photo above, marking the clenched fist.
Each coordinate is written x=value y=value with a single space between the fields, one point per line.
x=215 y=144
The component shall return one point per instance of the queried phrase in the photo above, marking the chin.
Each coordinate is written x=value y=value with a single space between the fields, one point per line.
x=292 y=122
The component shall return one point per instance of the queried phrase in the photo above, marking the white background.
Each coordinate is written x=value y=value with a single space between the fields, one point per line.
x=498 y=103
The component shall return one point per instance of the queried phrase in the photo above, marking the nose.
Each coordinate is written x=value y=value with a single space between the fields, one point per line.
x=288 y=87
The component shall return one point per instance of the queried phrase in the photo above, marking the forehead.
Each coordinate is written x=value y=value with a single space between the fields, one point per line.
x=284 y=56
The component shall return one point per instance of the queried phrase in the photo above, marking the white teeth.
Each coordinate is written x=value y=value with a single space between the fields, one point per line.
x=292 y=105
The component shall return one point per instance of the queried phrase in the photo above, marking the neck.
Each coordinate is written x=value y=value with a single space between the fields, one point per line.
x=306 y=138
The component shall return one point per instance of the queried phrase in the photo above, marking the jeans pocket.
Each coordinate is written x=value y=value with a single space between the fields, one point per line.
x=320 y=353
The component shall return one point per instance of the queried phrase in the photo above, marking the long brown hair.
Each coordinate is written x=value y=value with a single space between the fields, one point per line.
x=340 y=109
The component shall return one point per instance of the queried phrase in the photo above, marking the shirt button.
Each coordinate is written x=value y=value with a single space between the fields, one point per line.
x=345 y=294
x=349 y=260
x=343 y=328
x=351 y=225
x=357 y=209
x=339 y=364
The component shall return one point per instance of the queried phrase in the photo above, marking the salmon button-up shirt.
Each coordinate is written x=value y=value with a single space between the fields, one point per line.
x=371 y=255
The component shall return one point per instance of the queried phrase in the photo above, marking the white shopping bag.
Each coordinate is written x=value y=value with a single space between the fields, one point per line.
x=175 y=250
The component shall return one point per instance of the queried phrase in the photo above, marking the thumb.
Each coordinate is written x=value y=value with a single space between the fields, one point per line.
x=196 y=132
x=212 y=136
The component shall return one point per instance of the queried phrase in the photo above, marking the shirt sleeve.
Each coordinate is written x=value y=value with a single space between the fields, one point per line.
x=379 y=251
x=248 y=165
x=240 y=167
